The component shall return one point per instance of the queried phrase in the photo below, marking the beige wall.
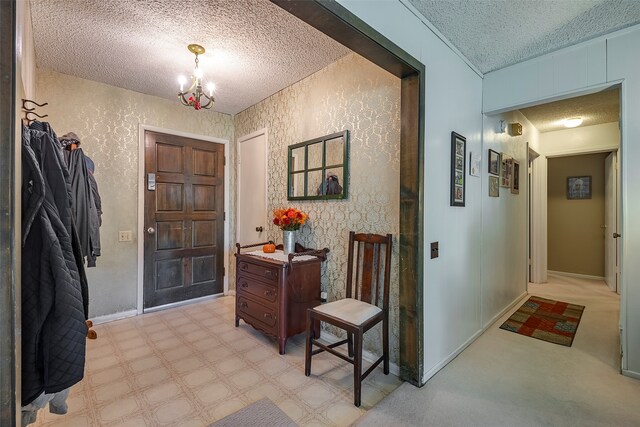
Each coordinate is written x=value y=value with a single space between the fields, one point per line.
x=107 y=119
x=575 y=239
x=580 y=140
x=352 y=94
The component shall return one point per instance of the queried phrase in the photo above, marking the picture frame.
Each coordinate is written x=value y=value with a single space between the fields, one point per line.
x=579 y=187
x=515 y=180
x=494 y=186
x=474 y=163
x=494 y=162
x=458 y=169
x=506 y=166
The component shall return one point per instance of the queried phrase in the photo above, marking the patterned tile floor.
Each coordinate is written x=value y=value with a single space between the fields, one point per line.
x=189 y=366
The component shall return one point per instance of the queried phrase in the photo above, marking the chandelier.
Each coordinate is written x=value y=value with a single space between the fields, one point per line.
x=194 y=91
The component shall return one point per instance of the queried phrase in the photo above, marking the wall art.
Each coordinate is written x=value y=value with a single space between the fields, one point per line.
x=458 y=168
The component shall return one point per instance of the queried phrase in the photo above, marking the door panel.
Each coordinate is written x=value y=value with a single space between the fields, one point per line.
x=184 y=234
x=252 y=200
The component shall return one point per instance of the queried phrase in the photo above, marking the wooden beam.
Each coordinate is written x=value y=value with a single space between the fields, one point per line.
x=341 y=25
x=9 y=232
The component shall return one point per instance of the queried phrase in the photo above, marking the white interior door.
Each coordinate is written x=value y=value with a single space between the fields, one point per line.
x=611 y=222
x=252 y=188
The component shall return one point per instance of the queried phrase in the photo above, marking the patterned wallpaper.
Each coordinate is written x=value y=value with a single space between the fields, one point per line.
x=352 y=94
x=106 y=119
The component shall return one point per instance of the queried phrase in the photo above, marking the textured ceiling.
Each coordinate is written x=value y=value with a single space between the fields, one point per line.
x=595 y=109
x=254 y=48
x=493 y=34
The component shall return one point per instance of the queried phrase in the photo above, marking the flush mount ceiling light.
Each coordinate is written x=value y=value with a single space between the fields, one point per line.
x=573 y=122
x=197 y=94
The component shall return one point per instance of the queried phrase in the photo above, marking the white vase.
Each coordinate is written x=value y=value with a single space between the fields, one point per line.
x=289 y=241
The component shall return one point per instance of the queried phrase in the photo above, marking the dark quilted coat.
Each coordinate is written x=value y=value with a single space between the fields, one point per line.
x=54 y=291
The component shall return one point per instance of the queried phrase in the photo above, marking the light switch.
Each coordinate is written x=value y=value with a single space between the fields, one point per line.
x=125 y=236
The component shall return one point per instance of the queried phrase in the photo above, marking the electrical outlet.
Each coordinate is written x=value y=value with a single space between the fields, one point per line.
x=434 y=250
x=125 y=236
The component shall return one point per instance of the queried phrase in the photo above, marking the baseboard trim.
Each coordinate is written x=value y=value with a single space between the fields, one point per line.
x=436 y=368
x=115 y=316
x=366 y=355
x=231 y=292
x=631 y=374
x=181 y=303
x=576 y=275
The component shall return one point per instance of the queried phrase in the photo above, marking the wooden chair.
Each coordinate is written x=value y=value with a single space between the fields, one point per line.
x=359 y=311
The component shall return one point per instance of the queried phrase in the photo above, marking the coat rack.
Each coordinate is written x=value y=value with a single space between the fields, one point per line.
x=30 y=111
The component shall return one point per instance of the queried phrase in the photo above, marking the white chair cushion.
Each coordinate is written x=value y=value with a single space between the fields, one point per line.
x=350 y=310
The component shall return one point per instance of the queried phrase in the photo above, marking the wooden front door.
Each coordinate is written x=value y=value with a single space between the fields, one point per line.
x=184 y=219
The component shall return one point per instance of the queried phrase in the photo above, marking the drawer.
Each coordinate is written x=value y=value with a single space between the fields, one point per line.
x=264 y=291
x=258 y=315
x=266 y=273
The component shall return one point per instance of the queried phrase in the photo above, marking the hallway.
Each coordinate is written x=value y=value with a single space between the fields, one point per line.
x=506 y=379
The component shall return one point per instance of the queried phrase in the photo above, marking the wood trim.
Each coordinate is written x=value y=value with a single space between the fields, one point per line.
x=340 y=24
x=9 y=223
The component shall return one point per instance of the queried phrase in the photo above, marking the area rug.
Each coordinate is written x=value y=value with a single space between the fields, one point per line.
x=547 y=320
x=261 y=413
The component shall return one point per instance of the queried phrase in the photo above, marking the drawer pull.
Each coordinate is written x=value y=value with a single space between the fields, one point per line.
x=244 y=266
x=268 y=316
x=268 y=273
x=244 y=285
x=243 y=305
x=269 y=293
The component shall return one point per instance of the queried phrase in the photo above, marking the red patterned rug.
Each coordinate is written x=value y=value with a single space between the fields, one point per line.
x=547 y=320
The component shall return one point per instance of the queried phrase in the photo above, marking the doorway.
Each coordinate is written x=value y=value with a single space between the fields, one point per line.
x=252 y=187
x=184 y=219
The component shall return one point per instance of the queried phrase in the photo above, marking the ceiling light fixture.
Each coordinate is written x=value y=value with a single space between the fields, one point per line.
x=573 y=122
x=197 y=94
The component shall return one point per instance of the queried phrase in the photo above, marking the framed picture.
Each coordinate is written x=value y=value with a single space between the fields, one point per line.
x=505 y=170
x=515 y=179
x=494 y=186
x=474 y=164
x=494 y=162
x=458 y=168
x=578 y=187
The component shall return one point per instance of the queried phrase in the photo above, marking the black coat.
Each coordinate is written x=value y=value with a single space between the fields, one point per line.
x=54 y=291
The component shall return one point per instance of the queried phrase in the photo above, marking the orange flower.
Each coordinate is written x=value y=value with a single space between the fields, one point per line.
x=289 y=219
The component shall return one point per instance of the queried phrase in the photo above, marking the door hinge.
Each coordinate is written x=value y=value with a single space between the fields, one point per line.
x=224 y=216
x=224 y=160
x=224 y=271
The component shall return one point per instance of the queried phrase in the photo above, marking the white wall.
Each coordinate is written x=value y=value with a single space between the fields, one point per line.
x=580 y=140
x=504 y=221
x=452 y=295
x=576 y=71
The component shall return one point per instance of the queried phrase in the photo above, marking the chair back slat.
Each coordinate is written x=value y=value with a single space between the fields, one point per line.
x=364 y=256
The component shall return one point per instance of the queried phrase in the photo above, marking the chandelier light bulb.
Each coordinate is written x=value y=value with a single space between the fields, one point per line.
x=182 y=80
x=211 y=87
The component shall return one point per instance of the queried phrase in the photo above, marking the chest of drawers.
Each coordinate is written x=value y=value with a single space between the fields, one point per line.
x=273 y=296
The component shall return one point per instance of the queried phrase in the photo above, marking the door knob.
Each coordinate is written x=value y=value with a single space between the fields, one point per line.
x=259 y=229
x=616 y=235
x=151 y=230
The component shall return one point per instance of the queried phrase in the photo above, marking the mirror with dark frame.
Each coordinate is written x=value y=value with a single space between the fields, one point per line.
x=319 y=168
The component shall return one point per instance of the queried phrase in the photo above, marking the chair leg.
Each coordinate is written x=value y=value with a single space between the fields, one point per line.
x=385 y=345
x=357 y=368
x=308 y=344
x=350 y=344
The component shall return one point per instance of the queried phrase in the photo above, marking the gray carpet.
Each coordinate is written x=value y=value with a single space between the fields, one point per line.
x=261 y=413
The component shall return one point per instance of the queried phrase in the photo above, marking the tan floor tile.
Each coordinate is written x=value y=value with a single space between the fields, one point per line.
x=168 y=344
x=190 y=422
x=228 y=407
x=162 y=334
x=135 y=421
x=246 y=378
x=77 y=420
x=106 y=376
x=206 y=343
x=343 y=414
x=243 y=344
x=144 y=364
x=196 y=336
x=217 y=354
x=189 y=364
x=231 y=365
x=177 y=353
x=293 y=380
x=258 y=354
x=233 y=335
x=153 y=376
x=98 y=364
x=199 y=377
x=128 y=334
x=315 y=395
x=212 y=393
x=292 y=409
x=265 y=390
x=118 y=409
x=162 y=392
x=273 y=366
x=111 y=391
x=137 y=353
x=172 y=412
